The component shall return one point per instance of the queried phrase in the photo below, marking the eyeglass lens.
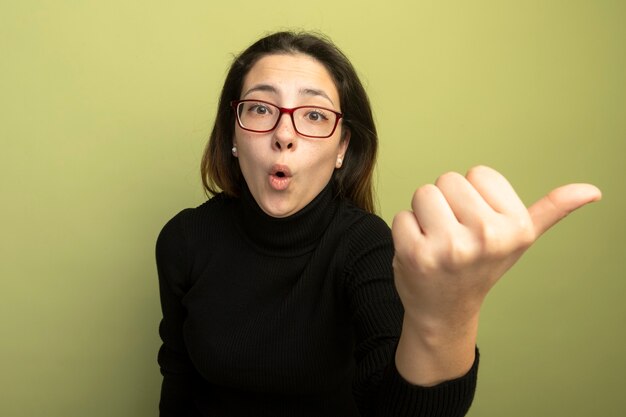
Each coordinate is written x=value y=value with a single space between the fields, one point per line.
x=309 y=121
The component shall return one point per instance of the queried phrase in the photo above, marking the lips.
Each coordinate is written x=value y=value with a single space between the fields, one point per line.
x=280 y=171
x=279 y=177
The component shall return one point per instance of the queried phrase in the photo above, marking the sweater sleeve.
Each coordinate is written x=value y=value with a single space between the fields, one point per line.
x=176 y=367
x=377 y=314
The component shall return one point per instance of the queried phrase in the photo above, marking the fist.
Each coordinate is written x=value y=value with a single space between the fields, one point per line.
x=462 y=235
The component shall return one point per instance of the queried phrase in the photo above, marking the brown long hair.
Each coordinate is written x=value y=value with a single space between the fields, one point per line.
x=220 y=171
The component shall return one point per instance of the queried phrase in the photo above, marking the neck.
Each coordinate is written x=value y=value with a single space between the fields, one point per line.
x=287 y=236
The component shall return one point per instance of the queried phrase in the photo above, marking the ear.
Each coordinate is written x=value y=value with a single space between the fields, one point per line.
x=345 y=141
x=343 y=148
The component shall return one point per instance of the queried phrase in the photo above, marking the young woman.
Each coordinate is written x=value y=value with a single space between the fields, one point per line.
x=285 y=295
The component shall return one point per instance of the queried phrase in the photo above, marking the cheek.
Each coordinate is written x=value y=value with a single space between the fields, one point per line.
x=246 y=156
x=245 y=147
x=247 y=160
x=323 y=164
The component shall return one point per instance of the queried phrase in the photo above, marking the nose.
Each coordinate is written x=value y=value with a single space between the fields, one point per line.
x=285 y=135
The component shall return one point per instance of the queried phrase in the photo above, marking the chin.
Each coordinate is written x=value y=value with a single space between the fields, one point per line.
x=277 y=210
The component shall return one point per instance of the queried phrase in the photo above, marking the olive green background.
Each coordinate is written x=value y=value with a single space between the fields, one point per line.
x=104 y=110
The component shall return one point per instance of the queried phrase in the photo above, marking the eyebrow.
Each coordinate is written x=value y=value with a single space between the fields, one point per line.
x=304 y=91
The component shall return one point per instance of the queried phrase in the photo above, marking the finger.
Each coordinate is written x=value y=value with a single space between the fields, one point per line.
x=406 y=232
x=495 y=190
x=432 y=210
x=468 y=206
x=560 y=202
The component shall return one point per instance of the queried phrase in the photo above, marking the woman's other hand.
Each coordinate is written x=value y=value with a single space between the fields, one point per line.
x=462 y=235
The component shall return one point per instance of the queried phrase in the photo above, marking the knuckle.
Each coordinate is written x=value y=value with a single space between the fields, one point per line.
x=525 y=231
x=448 y=178
x=489 y=235
x=480 y=174
x=399 y=219
x=459 y=254
x=478 y=171
x=426 y=189
x=497 y=239
x=413 y=259
x=492 y=240
x=527 y=237
x=424 y=192
x=426 y=263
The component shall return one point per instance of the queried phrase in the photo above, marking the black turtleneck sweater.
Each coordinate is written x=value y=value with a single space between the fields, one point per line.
x=285 y=317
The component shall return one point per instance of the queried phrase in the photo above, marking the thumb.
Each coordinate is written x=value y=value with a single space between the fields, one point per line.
x=560 y=202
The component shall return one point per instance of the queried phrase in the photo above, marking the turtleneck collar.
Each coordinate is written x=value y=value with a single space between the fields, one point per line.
x=288 y=236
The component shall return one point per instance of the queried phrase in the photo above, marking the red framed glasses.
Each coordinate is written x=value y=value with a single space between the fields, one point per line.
x=262 y=116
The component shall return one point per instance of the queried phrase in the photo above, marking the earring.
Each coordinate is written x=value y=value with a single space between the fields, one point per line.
x=339 y=162
x=234 y=150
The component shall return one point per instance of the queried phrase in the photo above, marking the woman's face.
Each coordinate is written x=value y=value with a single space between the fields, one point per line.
x=284 y=170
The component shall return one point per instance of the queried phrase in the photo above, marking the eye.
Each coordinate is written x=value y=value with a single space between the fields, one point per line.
x=259 y=109
x=316 y=115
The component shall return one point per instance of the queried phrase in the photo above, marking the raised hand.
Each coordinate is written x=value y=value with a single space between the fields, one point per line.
x=462 y=235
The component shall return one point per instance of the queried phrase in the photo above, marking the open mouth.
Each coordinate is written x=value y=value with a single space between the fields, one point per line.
x=280 y=171
x=280 y=177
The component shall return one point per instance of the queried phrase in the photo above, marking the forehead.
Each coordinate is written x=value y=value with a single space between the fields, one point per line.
x=290 y=74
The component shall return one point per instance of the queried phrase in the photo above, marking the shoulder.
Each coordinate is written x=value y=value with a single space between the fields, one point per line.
x=184 y=228
x=362 y=224
x=364 y=234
